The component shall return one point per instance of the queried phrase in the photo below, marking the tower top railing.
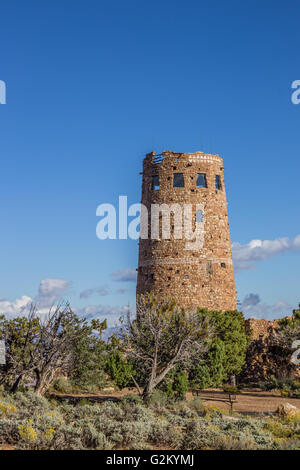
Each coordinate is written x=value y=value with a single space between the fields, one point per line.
x=158 y=158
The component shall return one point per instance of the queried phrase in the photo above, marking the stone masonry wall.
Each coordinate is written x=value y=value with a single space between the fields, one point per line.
x=201 y=276
x=260 y=328
x=265 y=357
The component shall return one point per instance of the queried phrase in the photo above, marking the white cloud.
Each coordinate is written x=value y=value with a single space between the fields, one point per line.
x=49 y=287
x=245 y=256
x=251 y=300
x=252 y=307
x=102 y=290
x=103 y=311
x=50 y=291
x=17 y=307
x=125 y=275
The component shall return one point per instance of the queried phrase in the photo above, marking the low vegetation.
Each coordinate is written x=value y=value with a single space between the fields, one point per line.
x=29 y=421
x=287 y=387
x=162 y=353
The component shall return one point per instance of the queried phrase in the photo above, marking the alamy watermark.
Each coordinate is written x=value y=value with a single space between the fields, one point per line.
x=2 y=353
x=161 y=222
x=296 y=354
x=296 y=94
x=2 y=92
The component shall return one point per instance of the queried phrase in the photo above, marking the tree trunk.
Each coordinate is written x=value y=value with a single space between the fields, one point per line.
x=137 y=386
x=156 y=379
x=44 y=380
x=16 y=384
x=148 y=390
x=37 y=387
x=233 y=380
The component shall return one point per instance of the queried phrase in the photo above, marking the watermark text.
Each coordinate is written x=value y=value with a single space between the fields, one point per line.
x=2 y=92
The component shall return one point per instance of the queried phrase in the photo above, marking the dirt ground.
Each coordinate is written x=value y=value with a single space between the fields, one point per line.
x=249 y=401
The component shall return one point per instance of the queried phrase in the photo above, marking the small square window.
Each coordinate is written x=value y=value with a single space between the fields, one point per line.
x=201 y=180
x=223 y=265
x=155 y=183
x=178 y=181
x=218 y=182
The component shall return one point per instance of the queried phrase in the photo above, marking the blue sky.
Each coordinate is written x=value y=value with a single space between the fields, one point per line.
x=92 y=86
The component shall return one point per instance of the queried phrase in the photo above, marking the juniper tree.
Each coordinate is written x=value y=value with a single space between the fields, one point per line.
x=288 y=337
x=226 y=354
x=162 y=337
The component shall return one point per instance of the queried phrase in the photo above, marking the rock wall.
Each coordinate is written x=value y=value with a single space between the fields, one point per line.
x=265 y=355
x=260 y=328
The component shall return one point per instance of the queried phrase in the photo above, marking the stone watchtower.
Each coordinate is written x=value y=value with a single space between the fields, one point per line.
x=195 y=273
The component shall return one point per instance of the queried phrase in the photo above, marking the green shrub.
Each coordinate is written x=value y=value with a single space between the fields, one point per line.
x=92 y=439
x=164 y=434
x=62 y=385
x=278 y=429
x=119 y=370
x=230 y=389
x=131 y=398
x=288 y=387
x=185 y=411
x=158 y=401
x=180 y=384
x=197 y=405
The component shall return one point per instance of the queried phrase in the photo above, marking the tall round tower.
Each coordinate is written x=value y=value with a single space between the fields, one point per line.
x=185 y=248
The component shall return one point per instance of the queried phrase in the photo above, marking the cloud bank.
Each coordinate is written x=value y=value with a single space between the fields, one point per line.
x=245 y=256
x=49 y=293
x=17 y=307
x=112 y=314
x=252 y=307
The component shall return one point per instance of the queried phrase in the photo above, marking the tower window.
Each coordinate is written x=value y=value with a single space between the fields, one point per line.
x=155 y=183
x=178 y=181
x=199 y=216
x=218 y=182
x=201 y=180
x=223 y=265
